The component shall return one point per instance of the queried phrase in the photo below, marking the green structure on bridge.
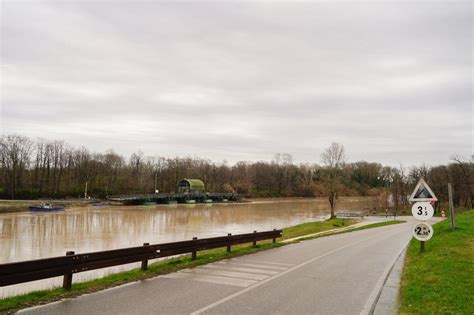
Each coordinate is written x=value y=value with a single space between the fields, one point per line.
x=187 y=185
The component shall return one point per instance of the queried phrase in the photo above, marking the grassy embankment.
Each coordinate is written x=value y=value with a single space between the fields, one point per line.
x=441 y=280
x=8 y=206
x=174 y=264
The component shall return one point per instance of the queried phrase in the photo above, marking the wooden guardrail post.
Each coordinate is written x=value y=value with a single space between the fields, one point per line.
x=451 y=206
x=145 y=261
x=193 y=254
x=274 y=239
x=254 y=240
x=228 y=246
x=67 y=280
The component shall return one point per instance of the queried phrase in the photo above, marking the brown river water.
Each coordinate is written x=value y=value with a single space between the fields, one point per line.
x=26 y=235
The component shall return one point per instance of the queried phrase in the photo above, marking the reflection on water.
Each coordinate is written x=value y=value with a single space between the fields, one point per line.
x=26 y=236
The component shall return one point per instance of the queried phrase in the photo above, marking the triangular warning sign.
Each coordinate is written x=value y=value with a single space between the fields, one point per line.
x=422 y=192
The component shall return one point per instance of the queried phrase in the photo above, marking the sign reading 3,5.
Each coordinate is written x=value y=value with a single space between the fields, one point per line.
x=422 y=211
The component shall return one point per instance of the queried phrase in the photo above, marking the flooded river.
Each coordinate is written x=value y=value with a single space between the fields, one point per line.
x=26 y=235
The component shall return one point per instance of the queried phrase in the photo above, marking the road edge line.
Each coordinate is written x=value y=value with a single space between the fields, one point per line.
x=374 y=297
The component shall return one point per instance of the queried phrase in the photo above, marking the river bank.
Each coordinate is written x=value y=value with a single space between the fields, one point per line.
x=13 y=206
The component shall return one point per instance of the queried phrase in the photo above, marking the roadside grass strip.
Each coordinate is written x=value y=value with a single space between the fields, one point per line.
x=315 y=227
x=10 y=304
x=338 y=231
x=441 y=280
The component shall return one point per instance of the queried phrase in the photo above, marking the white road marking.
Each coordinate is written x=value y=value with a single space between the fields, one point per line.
x=237 y=263
x=249 y=270
x=228 y=272
x=256 y=285
x=211 y=279
x=225 y=273
x=262 y=262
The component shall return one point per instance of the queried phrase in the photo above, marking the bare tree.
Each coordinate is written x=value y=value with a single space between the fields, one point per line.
x=397 y=187
x=48 y=168
x=467 y=170
x=40 y=161
x=14 y=159
x=333 y=159
x=136 y=164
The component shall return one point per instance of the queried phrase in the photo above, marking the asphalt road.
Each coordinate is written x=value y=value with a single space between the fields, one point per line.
x=339 y=274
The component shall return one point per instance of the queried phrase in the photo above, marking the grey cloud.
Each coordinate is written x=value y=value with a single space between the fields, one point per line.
x=242 y=80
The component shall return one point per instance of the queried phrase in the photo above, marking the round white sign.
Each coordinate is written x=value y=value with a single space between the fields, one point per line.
x=422 y=231
x=422 y=210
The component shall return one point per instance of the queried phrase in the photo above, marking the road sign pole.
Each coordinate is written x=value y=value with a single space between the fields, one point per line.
x=451 y=206
x=422 y=246
x=422 y=210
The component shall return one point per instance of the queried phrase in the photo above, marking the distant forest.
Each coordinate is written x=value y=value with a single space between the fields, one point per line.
x=54 y=169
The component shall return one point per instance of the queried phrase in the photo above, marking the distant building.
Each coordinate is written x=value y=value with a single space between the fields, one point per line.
x=190 y=185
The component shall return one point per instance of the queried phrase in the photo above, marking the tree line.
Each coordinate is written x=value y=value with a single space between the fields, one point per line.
x=43 y=168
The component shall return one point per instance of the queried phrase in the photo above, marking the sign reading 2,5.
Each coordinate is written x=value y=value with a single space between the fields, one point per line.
x=422 y=231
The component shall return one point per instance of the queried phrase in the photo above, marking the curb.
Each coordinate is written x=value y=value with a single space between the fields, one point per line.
x=371 y=303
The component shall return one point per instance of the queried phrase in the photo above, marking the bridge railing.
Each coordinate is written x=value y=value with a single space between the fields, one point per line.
x=66 y=266
x=172 y=195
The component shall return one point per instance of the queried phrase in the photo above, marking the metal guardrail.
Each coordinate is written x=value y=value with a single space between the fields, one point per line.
x=66 y=266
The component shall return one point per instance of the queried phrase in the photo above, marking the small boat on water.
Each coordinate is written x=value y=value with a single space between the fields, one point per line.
x=46 y=207
x=101 y=204
x=190 y=201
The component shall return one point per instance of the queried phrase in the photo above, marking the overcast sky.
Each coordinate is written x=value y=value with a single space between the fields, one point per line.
x=242 y=81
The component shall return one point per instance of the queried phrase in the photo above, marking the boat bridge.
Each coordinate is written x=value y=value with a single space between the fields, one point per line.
x=169 y=198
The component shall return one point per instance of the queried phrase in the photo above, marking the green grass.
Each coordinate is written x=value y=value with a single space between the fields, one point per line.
x=315 y=227
x=441 y=280
x=9 y=304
